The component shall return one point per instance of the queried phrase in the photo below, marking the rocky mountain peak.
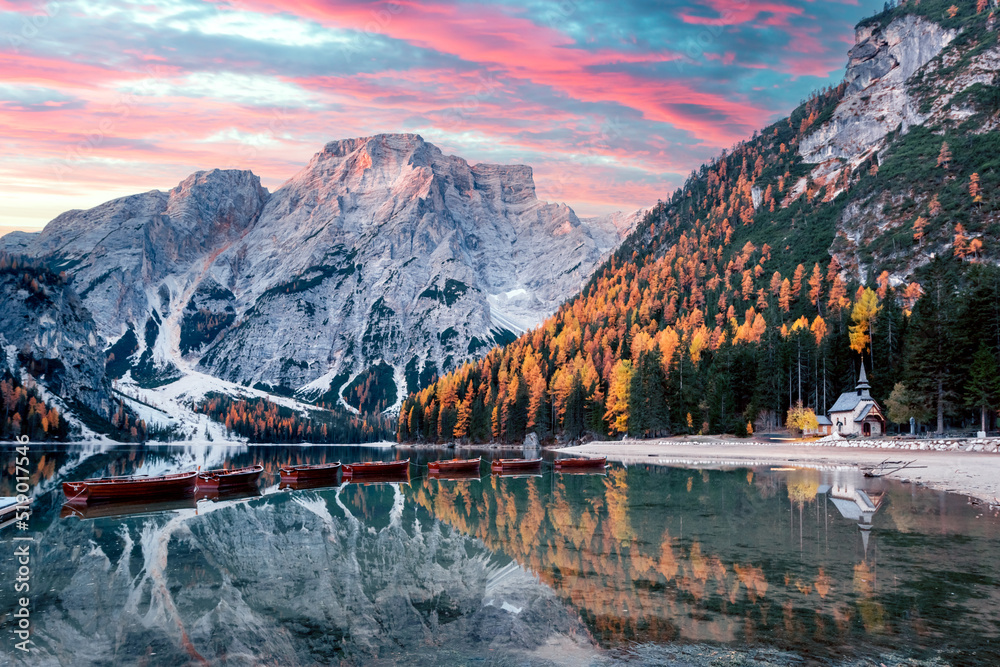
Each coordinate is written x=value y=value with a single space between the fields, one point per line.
x=377 y=143
x=505 y=184
x=382 y=263
x=232 y=198
x=876 y=100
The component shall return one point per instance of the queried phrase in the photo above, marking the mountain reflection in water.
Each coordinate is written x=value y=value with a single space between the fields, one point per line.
x=535 y=570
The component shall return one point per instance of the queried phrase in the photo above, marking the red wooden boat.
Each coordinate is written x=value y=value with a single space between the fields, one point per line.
x=455 y=465
x=321 y=471
x=515 y=465
x=370 y=468
x=227 y=479
x=600 y=462
x=131 y=488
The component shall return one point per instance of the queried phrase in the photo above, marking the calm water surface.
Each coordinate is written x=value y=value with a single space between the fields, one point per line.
x=549 y=569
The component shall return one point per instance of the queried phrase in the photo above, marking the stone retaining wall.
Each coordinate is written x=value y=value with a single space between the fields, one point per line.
x=989 y=445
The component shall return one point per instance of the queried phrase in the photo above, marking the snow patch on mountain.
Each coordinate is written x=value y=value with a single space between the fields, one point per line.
x=382 y=250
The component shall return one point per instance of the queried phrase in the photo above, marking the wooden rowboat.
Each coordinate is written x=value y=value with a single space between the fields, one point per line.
x=321 y=472
x=160 y=487
x=225 y=479
x=455 y=465
x=515 y=465
x=394 y=468
x=600 y=462
x=10 y=509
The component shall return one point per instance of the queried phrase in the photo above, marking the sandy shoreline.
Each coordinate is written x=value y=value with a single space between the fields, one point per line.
x=969 y=473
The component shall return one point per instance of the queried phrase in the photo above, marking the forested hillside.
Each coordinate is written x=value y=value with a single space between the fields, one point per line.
x=766 y=279
x=260 y=420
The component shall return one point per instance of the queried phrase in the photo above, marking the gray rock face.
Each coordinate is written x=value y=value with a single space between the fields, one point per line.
x=46 y=331
x=908 y=73
x=381 y=251
x=877 y=100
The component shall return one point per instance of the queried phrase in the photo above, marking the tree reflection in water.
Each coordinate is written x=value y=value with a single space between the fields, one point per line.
x=820 y=563
x=790 y=559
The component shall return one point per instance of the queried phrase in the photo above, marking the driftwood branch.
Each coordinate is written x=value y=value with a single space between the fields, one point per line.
x=888 y=467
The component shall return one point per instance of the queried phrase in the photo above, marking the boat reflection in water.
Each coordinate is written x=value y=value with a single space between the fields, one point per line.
x=455 y=475
x=514 y=474
x=308 y=484
x=402 y=477
x=126 y=508
x=513 y=568
x=243 y=492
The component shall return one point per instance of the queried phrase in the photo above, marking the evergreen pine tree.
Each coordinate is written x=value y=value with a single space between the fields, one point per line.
x=982 y=391
x=931 y=357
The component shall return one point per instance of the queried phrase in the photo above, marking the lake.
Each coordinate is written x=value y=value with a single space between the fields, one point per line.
x=638 y=563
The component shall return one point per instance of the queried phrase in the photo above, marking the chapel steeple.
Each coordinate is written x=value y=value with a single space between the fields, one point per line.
x=864 y=389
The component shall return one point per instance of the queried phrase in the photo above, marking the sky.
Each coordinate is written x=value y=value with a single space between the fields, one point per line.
x=612 y=102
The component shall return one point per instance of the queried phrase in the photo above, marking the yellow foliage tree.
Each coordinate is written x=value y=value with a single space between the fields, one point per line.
x=863 y=314
x=801 y=418
x=619 y=394
x=819 y=329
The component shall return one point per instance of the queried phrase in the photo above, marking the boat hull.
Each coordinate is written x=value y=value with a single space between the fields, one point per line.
x=569 y=465
x=454 y=465
x=309 y=473
x=229 y=479
x=10 y=509
x=515 y=465
x=131 y=488
x=377 y=469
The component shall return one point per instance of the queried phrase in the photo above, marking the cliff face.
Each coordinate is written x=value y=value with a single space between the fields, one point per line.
x=383 y=260
x=877 y=99
x=913 y=83
x=386 y=250
x=46 y=332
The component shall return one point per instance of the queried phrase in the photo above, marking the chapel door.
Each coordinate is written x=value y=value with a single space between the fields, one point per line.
x=866 y=429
